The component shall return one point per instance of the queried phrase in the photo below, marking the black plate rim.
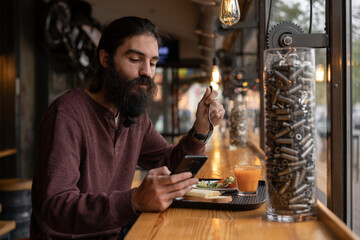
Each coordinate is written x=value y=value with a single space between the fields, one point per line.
x=220 y=206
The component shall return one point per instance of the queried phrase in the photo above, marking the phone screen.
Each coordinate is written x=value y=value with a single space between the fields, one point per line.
x=190 y=163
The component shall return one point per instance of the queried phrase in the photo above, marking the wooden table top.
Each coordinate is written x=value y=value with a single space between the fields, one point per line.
x=180 y=223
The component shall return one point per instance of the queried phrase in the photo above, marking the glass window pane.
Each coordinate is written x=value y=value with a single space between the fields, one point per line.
x=191 y=90
x=245 y=74
x=157 y=107
x=355 y=35
x=161 y=109
x=298 y=12
x=322 y=126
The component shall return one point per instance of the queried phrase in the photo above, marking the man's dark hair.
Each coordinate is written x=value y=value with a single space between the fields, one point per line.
x=114 y=36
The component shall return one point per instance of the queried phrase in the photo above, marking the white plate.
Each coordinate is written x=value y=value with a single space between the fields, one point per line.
x=216 y=189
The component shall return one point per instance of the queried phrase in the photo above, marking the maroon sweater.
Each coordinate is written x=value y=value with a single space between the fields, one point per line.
x=85 y=168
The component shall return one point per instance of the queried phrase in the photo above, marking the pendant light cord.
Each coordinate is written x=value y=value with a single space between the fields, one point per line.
x=311 y=13
x=310 y=20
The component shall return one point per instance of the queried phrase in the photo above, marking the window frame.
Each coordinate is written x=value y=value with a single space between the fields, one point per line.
x=339 y=102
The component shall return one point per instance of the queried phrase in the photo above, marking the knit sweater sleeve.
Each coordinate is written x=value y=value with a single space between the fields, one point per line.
x=156 y=152
x=59 y=205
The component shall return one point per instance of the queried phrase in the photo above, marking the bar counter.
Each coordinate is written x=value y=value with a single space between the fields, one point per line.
x=181 y=223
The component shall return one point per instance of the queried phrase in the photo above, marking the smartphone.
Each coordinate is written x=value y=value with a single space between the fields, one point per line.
x=190 y=163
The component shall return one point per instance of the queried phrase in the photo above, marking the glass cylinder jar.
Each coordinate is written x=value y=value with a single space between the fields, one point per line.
x=238 y=123
x=289 y=86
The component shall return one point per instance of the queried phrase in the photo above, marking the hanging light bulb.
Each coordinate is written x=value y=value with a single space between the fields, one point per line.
x=229 y=12
x=215 y=75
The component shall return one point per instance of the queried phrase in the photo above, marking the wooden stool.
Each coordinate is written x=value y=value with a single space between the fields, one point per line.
x=15 y=197
x=5 y=228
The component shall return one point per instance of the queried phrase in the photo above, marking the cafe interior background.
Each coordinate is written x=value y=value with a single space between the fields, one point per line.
x=36 y=66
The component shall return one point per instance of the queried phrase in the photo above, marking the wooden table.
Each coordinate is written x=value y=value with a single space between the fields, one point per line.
x=179 y=223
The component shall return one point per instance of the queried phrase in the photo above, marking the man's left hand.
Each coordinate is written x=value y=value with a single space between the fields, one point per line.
x=217 y=111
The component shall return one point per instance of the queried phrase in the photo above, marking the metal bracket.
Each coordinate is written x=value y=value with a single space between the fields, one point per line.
x=287 y=34
x=314 y=40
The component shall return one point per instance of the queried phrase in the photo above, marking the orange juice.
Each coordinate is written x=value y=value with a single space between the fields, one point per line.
x=247 y=177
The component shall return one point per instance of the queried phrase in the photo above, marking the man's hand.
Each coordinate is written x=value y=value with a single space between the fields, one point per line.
x=217 y=111
x=159 y=188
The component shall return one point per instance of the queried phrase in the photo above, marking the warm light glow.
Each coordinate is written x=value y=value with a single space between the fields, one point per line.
x=216 y=163
x=217 y=227
x=215 y=74
x=257 y=161
x=229 y=12
x=215 y=77
x=215 y=86
x=320 y=73
x=217 y=155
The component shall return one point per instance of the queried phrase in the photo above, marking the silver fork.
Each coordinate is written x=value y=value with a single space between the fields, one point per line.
x=211 y=124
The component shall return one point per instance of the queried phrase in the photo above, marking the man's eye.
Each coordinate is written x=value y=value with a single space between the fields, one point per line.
x=134 y=60
x=153 y=64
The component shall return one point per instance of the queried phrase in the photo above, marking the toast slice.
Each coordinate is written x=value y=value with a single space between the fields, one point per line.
x=202 y=195
x=215 y=199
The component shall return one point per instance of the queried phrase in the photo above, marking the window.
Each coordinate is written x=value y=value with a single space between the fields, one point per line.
x=297 y=13
x=355 y=67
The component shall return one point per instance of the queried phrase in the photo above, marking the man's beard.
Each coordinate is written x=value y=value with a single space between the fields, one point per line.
x=128 y=97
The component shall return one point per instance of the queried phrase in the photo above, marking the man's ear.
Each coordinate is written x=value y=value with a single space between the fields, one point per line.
x=104 y=58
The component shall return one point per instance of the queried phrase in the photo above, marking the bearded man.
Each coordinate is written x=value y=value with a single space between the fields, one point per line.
x=90 y=141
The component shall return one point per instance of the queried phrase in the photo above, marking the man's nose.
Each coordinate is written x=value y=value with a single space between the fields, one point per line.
x=145 y=70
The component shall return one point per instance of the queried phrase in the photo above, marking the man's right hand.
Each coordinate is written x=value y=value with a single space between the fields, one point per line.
x=159 y=188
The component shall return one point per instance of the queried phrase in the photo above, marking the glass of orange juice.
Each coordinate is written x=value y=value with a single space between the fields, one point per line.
x=247 y=179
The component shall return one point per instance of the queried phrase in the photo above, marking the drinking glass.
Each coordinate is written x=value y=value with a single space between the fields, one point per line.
x=247 y=179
